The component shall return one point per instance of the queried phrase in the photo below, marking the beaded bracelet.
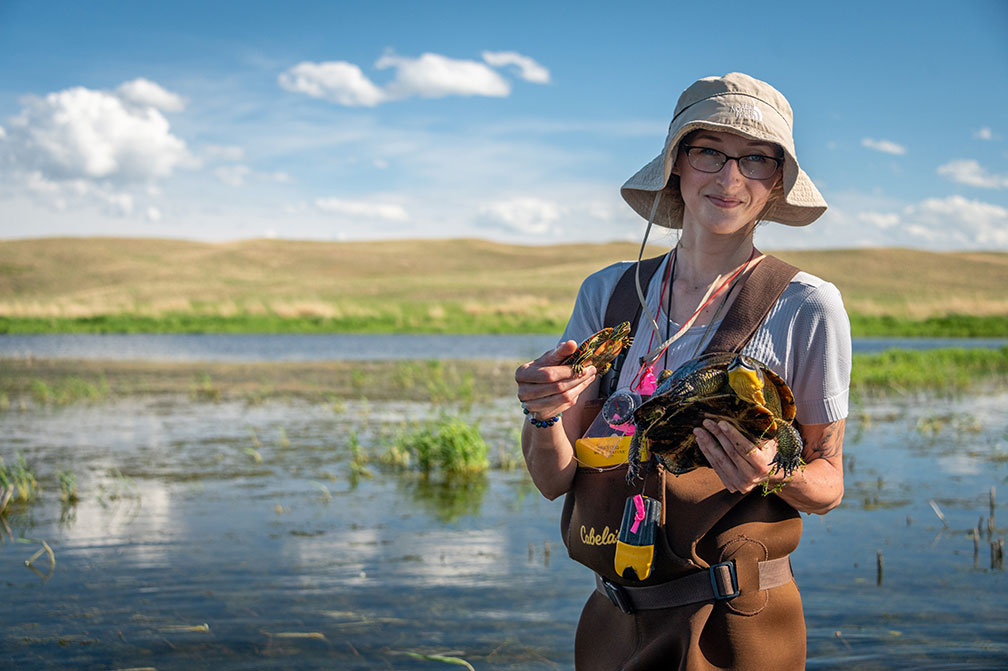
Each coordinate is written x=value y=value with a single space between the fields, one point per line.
x=541 y=423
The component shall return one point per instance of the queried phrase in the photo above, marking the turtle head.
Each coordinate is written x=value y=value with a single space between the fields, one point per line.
x=746 y=380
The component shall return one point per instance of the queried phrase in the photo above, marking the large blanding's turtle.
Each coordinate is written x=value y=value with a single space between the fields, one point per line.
x=717 y=386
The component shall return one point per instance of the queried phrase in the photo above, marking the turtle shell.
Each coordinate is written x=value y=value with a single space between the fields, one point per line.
x=600 y=349
x=701 y=389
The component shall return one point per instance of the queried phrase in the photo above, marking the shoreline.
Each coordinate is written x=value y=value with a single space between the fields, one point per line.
x=65 y=381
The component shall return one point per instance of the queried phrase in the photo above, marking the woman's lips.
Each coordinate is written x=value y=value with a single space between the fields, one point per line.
x=723 y=201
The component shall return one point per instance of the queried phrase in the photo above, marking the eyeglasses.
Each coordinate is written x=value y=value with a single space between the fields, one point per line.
x=753 y=166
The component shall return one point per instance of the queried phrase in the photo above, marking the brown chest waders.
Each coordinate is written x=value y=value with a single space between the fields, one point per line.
x=720 y=592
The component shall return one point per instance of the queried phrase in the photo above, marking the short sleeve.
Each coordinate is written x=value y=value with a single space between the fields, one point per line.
x=821 y=352
x=591 y=302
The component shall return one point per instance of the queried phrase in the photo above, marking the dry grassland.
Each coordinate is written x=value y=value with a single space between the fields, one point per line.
x=84 y=277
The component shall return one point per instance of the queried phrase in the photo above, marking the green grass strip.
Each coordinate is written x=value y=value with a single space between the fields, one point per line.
x=408 y=318
x=944 y=370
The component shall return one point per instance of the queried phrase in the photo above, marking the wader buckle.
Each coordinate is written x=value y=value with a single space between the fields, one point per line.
x=618 y=596
x=717 y=570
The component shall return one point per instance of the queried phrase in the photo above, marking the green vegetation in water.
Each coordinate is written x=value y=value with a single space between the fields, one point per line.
x=68 y=390
x=358 y=461
x=68 y=487
x=442 y=383
x=17 y=482
x=951 y=369
x=447 y=445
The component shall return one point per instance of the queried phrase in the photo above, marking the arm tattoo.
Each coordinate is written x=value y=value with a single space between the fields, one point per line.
x=828 y=444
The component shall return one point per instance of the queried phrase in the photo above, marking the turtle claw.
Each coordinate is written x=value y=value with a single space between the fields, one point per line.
x=633 y=460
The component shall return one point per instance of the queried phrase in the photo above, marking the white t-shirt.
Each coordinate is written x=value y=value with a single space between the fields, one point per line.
x=805 y=338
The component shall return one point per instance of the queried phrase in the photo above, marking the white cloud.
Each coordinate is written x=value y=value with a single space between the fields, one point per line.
x=362 y=209
x=528 y=69
x=524 y=215
x=966 y=223
x=336 y=81
x=984 y=133
x=968 y=171
x=436 y=76
x=879 y=219
x=233 y=175
x=145 y=93
x=429 y=76
x=80 y=133
x=223 y=153
x=885 y=146
x=153 y=214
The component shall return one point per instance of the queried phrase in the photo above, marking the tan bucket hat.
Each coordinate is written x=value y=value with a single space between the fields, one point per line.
x=734 y=103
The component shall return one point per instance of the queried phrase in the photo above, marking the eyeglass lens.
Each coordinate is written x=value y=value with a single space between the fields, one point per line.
x=754 y=166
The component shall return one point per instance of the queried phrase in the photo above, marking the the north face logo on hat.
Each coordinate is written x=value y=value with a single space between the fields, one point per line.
x=746 y=111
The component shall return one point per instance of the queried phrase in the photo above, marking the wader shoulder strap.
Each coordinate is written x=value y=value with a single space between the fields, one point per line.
x=758 y=295
x=624 y=306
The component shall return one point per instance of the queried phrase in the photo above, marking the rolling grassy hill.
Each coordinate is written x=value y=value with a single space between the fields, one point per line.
x=121 y=284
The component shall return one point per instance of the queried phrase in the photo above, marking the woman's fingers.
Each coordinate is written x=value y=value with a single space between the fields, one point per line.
x=740 y=463
x=547 y=386
x=548 y=400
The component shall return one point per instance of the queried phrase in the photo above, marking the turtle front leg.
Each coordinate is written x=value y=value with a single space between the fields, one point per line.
x=789 y=450
x=633 y=459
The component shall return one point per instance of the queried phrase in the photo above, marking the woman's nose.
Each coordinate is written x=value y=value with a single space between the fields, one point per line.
x=730 y=171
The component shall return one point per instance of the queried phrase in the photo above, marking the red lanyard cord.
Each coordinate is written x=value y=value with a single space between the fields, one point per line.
x=651 y=357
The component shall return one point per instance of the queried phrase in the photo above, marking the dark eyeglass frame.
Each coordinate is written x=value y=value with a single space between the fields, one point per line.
x=738 y=161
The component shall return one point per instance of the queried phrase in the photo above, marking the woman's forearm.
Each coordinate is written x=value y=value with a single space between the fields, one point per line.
x=549 y=457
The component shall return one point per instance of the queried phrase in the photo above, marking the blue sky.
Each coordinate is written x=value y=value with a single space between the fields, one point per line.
x=510 y=121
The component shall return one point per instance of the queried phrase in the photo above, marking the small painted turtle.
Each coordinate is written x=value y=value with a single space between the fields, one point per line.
x=600 y=350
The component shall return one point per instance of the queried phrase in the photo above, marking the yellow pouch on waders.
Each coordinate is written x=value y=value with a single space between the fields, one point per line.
x=635 y=544
x=607 y=440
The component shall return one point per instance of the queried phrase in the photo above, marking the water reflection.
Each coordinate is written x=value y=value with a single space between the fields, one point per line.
x=178 y=525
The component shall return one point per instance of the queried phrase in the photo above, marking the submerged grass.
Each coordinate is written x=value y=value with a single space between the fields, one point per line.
x=17 y=482
x=452 y=383
x=449 y=446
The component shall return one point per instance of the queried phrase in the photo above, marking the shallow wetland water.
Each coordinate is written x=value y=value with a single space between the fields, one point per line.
x=230 y=535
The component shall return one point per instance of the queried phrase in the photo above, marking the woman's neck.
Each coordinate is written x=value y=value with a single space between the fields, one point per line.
x=697 y=268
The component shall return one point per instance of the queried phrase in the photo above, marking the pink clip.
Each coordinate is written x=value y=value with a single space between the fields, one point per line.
x=648 y=382
x=638 y=501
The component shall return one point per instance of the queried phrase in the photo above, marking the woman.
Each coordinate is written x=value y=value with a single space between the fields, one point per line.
x=728 y=163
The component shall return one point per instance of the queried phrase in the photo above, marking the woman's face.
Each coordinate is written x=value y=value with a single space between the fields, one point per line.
x=725 y=202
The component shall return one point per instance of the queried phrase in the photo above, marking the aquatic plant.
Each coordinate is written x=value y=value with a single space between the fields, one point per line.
x=18 y=480
x=68 y=487
x=358 y=460
x=203 y=389
x=68 y=390
x=448 y=445
x=443 y=382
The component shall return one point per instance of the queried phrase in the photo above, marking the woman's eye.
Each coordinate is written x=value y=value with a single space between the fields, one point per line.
x=707 y=151
x=757 y=158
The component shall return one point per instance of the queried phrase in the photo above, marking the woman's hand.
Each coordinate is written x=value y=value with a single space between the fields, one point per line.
x=546 y=387
x=740 y=463
x=817 y=487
